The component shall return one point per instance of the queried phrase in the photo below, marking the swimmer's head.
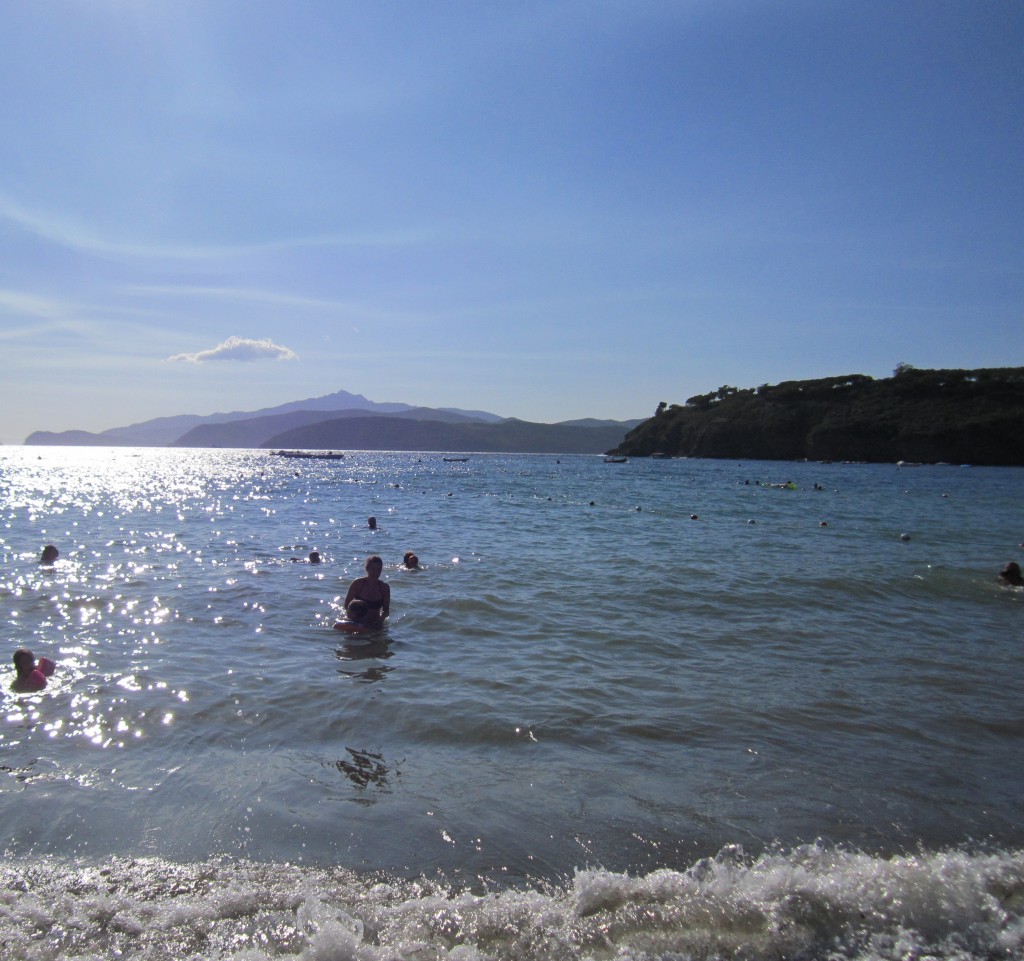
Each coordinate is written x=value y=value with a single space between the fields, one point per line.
x=357 y=611
x=1012 y=573
x=24 y=661
x=314 y=557
x=371 y=522
x=410 y=559
x=49 y=555
x=373 y=561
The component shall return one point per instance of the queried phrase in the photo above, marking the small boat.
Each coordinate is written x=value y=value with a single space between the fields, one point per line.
x=455 y=460
x=308 y=454
x=616 y=460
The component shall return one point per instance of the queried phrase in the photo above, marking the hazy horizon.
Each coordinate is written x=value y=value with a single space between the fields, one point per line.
x=269 y=412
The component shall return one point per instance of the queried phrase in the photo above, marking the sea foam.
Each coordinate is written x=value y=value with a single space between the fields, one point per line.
x=814 y=902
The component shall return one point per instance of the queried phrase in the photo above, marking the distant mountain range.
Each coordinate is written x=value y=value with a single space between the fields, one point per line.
x=345 y=421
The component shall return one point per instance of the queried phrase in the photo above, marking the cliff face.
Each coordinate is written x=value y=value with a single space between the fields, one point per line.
x=954 y=416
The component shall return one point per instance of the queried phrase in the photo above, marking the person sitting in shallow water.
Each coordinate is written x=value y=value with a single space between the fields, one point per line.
x=410 y=561
x=1011 y=574
x=49 y=555
x=373 y=590
x=31 y=674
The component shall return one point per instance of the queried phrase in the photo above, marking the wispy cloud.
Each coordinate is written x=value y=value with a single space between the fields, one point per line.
x=240 y=349
x=354 y=311
x=30 y=305
x=65 y=233
x=239 y=295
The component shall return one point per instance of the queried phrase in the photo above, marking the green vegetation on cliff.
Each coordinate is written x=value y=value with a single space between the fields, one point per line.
x=925 y=416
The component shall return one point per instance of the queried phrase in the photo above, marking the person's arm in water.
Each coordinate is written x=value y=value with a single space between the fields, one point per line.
x=385 y=589
x=353 y=591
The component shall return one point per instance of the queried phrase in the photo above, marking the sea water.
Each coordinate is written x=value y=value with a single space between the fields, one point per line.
x=661 y=709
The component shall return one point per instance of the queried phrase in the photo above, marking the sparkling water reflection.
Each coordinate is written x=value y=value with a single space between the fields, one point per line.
x=599 y=663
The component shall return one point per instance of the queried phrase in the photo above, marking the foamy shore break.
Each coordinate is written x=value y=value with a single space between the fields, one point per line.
x=811 y=903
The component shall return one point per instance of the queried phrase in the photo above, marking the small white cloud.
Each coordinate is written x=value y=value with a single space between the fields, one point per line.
x=241 y=349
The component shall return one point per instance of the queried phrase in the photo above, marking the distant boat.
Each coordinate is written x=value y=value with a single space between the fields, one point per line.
x=308 y=454
x=455 y=460
x=616 y=460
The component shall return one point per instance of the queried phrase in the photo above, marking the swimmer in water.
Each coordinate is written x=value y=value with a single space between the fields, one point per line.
x=355 y=617
x=31 y=674
x=314 y=558
x=371 y=522
x=373 y=590
x=1011 y=575
x=49 y=555
x=410 y=561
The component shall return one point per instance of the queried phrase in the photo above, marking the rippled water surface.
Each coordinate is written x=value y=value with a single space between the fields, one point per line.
x=614 y=666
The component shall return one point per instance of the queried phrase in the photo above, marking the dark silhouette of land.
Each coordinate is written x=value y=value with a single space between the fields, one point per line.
x=392 y=433
x=918 y=416
x=344 y=421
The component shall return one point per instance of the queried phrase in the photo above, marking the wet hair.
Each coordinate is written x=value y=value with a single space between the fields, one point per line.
x=49 y=555
x=410 y=559
x=372 y=523
x=357 y=611
x=20 y=656
x=314 y=557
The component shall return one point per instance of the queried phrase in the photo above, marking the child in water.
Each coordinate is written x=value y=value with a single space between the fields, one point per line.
x=356 y=617
x=31 y=674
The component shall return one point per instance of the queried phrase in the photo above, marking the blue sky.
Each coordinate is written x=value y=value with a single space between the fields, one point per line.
x=547 y=210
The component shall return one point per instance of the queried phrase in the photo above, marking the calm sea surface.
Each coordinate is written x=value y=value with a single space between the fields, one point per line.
x=645 y=710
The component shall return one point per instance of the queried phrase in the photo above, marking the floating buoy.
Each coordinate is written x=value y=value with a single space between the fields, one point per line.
x=904 y=537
